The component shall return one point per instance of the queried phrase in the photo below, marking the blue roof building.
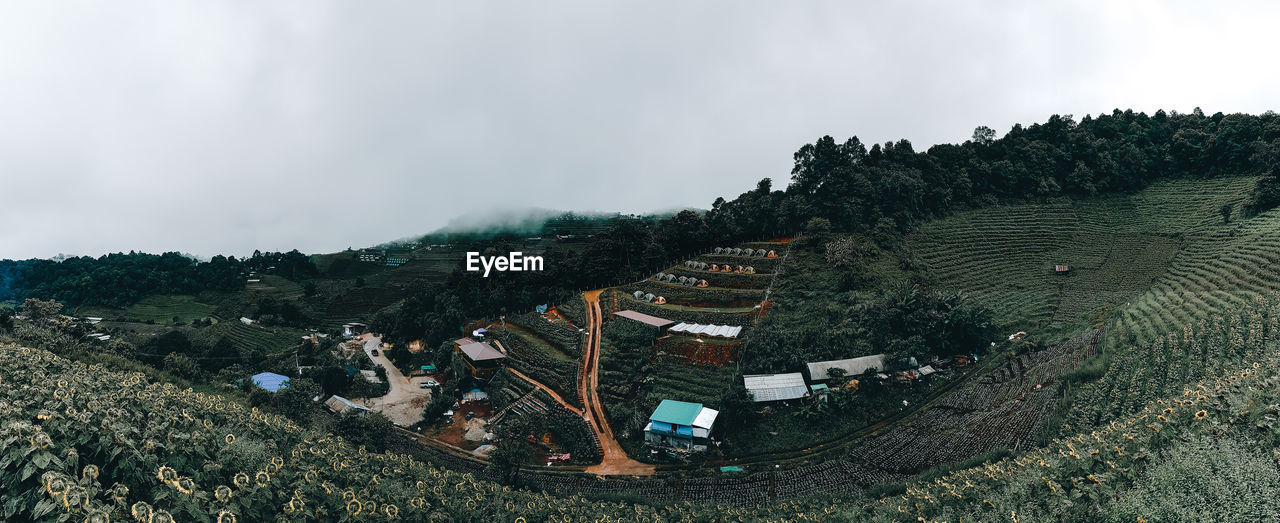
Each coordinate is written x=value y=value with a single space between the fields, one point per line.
x=680 y=425
x=271 y=381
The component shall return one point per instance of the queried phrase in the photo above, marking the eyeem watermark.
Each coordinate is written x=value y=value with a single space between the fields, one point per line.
x=514 y=261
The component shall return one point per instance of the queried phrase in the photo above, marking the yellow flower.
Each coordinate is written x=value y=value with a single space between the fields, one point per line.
x=162 y=516
x=1201 y=414
x=230 y=438
x=90 y=472
x=185 y=485
x=222 y=493
x=241 y=480
x=167 y=474
x=226 y=517
x=262 y=478
x=353 y=507
x=141 y=512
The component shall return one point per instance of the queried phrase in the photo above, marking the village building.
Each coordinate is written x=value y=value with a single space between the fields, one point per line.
x=775 y=387
x=680 y=425
x=699 y=330
x=341 y=405
x=653 y=321
x=353 y=329
x=819 y=371
x=270 y=381
x=481 y=358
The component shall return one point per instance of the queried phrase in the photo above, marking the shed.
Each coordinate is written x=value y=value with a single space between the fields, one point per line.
x=851 y=366
x=270 y=381
x=341 y=405
x=644 y=318
x=1061 y=269
x=775 y=387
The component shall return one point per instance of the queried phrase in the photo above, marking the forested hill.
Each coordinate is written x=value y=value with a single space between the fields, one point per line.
x=890 y=188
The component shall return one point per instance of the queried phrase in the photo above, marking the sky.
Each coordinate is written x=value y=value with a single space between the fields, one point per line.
x=225 y=127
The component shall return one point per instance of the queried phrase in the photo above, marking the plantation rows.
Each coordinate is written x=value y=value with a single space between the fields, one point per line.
x=689 y=351
x=566 y=338
x=1003 y=409
x=1001 y=255
x=249 y=337
x=1222 y=423
x=523 y=355
x=358 y=303
x=575 y=310
x=1215 y=272
x=1162 y=367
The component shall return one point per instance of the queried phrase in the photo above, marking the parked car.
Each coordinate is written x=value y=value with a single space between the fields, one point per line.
x=375 y=353
x=428 y=383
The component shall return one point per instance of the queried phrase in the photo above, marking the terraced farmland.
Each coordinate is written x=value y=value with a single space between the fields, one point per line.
x=1137 y=253
x=162 y=309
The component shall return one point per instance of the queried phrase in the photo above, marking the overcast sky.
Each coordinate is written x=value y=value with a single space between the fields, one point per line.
x=224 y=127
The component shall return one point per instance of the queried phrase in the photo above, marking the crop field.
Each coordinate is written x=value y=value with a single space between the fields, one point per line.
x=83 y=442
x=162 y=309
x=562 y=336
x=540 y=361
x=1121 y=250
x=359 y=303
x=1163 y=367
x=275 y=287
x=250 y=337
x=1197 y=421
x=688 y=350
x=1002 y=410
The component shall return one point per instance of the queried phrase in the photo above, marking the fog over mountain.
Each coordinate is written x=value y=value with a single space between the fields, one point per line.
x=228 y=127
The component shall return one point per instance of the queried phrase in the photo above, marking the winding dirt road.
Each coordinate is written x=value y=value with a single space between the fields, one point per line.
x=615 y=462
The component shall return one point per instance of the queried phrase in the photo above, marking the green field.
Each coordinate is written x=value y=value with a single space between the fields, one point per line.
x=1136 y=254
x=163 y=309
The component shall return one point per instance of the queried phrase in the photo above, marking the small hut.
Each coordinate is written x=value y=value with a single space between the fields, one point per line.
x=659 y=300
x=772 y=254
x=719 y=250
x=1062 y=269
x=648 y=297
x=639 y=295
x=749 y=270
x=760 y=253
x=703 y=283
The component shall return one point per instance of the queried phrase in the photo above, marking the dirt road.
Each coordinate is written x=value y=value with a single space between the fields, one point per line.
x=404 y=404
x=615 y=462
x=554 y=395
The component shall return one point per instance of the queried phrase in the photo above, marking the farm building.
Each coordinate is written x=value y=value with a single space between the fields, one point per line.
x=1061 y=269
x=270 y=381
x=653 y=321
x=481 y=358
x=851 y=367
x=341 y=405
x=776 y=387
x=719 y=331
x=353 y=329
x=680 y=425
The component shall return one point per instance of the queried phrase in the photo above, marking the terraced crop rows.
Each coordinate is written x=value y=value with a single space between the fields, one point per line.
x=1003 y=409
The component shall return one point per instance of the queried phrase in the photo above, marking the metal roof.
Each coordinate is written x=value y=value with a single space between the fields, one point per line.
x=852 y=366
x=481 y=352
x=341 y=404
x=775 y=387
x=270 y=381
x=644 y=318
x=706 y=418
x=722 y=331
x=676 y=412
